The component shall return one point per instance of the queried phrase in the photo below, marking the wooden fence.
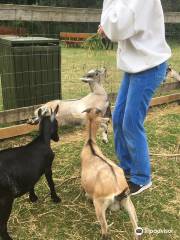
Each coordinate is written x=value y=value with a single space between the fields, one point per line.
x=13 y=12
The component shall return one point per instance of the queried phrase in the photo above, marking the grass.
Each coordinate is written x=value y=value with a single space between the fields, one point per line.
x=174 y=60
x=74 y=219
x=77 y=61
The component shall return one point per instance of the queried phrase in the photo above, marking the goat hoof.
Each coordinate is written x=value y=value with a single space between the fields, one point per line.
x=105 y=141
x=106 y=237
x=33 y=198
x=56 y=199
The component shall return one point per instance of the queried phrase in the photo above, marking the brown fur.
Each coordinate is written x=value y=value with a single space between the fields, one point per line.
x=102 y=179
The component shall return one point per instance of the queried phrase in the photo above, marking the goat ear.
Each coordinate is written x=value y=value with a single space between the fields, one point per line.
x=87 y=110
x=52 y=116
x=56 y=110
x=39 y=113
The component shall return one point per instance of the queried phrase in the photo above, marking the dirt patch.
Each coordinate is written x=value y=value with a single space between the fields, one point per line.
x=157 y=112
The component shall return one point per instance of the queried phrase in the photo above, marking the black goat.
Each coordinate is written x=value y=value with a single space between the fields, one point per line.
x=22 y=167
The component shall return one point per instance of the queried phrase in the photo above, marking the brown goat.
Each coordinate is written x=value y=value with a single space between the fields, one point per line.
x=103 y=181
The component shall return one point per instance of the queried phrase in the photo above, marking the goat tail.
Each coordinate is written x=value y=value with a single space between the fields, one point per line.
x=122 y=195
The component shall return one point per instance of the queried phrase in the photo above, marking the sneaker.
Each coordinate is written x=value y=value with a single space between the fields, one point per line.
x=136 y=189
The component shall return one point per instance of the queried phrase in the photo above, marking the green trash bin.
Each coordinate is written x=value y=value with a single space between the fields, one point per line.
x=30 y=70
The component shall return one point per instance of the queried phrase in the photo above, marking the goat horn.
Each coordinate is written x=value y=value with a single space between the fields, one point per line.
x=52 y=116
x=56 y=110
x=39 y=113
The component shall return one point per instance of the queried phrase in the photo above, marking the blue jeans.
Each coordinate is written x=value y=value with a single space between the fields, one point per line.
x=129 y=114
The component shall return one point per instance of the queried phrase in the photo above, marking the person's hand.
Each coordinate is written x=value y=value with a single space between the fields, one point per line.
x=101 y=31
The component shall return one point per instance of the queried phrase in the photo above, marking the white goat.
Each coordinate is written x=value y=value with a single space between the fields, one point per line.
x=171 y=73
x=103 y=181
x=71 y=111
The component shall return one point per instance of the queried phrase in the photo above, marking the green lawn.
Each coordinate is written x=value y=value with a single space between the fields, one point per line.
x=75 y=62
x=74 y=219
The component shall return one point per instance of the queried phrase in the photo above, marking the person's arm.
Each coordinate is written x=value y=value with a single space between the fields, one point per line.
x=117 y=20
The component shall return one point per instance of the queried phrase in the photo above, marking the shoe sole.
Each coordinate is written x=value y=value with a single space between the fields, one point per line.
x=142 y=189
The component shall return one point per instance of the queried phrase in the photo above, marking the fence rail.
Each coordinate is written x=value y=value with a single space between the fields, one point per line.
x=48 y=14
x=12 y=12
x=24 y=113
x=17 y=115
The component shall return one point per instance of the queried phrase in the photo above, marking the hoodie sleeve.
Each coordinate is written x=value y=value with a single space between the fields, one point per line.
x=117 y=20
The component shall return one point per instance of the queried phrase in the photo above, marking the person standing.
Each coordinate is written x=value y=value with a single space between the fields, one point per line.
x=138 y=27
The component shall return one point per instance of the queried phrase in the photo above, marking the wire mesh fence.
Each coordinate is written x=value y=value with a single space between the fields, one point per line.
x=38 y=82
x=32 y=85
x=34 y=81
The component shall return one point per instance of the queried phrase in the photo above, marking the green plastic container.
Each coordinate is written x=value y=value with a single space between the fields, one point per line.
x=30 y=70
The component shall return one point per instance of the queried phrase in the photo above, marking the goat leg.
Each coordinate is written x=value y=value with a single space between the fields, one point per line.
x=5 y=211
x=100 y=208
x=32 y=196
x=106 y=237
x=54 y=196
x=129 y=207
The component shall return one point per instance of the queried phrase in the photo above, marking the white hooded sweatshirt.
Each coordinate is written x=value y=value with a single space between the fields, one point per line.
x=138 y=27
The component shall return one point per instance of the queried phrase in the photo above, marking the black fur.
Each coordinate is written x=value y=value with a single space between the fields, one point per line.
x=22 y=167
x=123 y=195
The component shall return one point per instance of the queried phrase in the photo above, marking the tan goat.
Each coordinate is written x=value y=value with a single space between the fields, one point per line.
x=103 y=181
